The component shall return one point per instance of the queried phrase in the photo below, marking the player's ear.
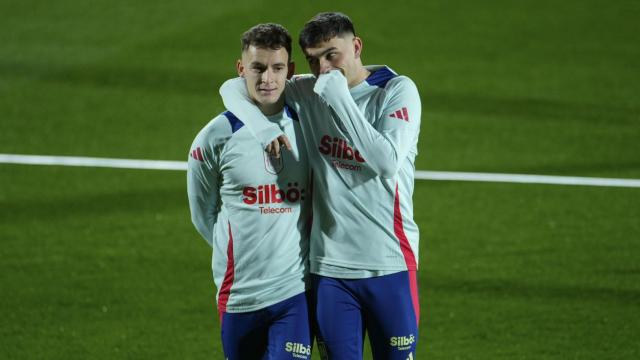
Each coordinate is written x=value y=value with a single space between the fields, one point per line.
x=240 y=68
x=291 y=69
x=357 y=46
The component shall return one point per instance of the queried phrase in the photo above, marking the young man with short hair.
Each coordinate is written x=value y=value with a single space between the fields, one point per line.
x=254 y=210
x=361 y=129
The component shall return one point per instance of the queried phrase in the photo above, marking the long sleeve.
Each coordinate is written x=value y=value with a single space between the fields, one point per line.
x=203 y=188
x=386 y=145
x=236 y=99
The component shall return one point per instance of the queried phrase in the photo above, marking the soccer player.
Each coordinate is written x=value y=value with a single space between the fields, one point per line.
x=360 y=126
x=254 y=211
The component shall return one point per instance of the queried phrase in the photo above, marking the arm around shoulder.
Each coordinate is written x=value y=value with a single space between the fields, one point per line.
x=236 y=98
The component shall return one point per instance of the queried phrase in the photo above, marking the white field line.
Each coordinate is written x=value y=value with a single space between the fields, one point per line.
x=93 y=162
x=420 y=174
x=526 y=179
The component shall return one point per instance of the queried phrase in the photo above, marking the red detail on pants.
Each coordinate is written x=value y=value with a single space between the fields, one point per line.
x=413 y=285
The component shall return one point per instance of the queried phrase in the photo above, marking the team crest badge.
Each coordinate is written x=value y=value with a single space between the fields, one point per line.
x=272 y=164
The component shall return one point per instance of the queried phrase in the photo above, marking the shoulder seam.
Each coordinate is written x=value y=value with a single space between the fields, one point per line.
x=236 y=124
x=381 y=77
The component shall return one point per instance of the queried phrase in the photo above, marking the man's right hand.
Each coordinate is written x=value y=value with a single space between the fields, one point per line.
x=277 y=144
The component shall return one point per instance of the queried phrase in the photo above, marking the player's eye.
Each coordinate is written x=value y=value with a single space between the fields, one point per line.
x=331 y=55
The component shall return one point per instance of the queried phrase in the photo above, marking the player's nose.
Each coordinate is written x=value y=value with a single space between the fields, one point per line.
x=267 y=76
x=325 y=66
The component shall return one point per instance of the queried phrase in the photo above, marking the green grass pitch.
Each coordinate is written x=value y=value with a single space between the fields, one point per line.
x=104 y=263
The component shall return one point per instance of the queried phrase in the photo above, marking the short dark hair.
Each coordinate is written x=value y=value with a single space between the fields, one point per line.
x=324 y=27
x=267 y=36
